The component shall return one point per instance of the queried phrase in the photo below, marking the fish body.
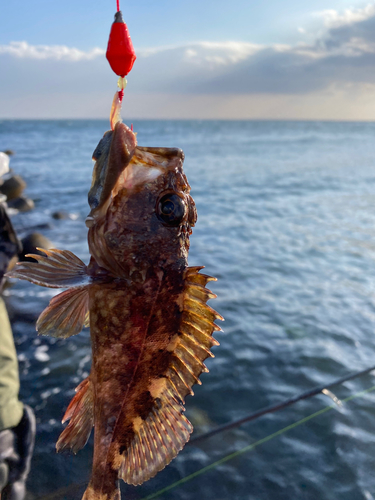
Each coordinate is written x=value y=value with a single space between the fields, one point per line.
x=149 y=323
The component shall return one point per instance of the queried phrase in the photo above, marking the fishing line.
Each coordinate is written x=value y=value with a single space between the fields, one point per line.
x=252 y=446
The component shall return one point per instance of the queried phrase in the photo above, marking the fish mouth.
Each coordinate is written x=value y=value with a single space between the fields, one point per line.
x=120 y=163
x=112 y=156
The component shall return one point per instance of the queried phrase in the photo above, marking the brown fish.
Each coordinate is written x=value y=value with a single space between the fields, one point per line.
x=150 y=326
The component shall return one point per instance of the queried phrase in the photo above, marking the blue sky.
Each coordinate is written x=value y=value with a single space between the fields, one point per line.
x=198 y=59
x=84 y=24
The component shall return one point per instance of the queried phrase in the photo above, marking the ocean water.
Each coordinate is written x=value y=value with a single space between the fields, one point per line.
x=286 y=222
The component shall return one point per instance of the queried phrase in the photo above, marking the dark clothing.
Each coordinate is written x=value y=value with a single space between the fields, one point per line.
x=10 y=245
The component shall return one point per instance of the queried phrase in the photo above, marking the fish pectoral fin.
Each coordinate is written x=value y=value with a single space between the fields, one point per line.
x=157 y=440
x=66 y=314
x=55 y=269
x=80 y=412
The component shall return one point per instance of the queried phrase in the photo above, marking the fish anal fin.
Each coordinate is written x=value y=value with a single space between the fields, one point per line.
x=54 y=269
x=66 y=314
x=80 y=412
x=157 y=439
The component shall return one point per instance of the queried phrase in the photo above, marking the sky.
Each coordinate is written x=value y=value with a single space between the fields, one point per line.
x=239 y=59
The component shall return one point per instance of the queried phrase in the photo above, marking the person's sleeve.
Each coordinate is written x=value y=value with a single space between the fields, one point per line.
x=11 y=409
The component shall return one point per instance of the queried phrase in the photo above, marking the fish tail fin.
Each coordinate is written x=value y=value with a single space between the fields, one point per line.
x=80 y=412
x=91 y=494
x=54 y=269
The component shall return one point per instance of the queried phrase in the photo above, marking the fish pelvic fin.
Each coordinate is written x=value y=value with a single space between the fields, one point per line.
x=66 y=315
x=54 y=269
x=80 y=412
x=160 y=437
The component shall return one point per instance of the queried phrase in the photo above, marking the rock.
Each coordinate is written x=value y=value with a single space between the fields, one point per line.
x=22 y=204
x=13 y=187
x=43 y=225
x=60 y=215
x=30 y=242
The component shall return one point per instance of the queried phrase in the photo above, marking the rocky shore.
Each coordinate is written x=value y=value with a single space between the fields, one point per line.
x=12 y=187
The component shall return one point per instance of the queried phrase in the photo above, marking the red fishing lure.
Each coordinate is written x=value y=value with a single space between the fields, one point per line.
x=121 y=56
x=120 y=50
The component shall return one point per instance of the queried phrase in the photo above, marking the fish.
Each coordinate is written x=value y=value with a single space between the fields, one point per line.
x=150 y=326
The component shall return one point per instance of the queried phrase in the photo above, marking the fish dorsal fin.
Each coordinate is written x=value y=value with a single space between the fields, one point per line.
x=55 y=269
x=66 y=315
x=192 y=344
x=159 y=438
x=80 y=412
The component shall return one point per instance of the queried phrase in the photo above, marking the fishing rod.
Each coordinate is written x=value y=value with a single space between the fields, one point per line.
x=280 y=406
x=252 y=446
x=323 y=389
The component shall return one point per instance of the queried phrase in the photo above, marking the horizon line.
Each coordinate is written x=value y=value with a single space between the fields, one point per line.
x=322 y=120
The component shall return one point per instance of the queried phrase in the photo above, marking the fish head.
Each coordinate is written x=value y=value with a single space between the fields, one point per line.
x=141 y=209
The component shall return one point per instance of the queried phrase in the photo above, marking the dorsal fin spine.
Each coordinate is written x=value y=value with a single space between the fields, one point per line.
x=189 y=370
x=188 y=388
x=175 y=393
x=201 y=292
x=190 y=338
x=184 y=356
x=193 y=355
x=198 y=307
x=188 y=325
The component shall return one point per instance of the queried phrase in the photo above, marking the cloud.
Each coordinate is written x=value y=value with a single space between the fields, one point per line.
x=334 y=19
x=340 y=61
x=344 y=53
x=56 y=52
x=203 y=52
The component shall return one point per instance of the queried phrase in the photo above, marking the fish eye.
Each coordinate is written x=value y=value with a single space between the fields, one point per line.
x=171 y=209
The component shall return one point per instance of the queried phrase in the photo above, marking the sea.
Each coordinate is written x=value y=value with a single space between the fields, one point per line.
x=286 y=223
